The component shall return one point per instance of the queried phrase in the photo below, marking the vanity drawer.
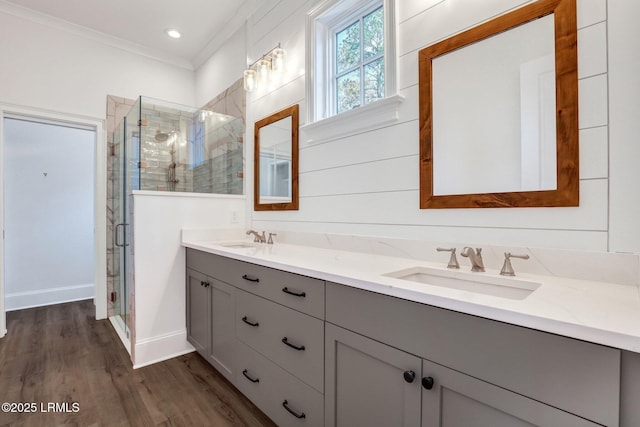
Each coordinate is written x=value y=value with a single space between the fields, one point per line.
x=292 y=340
x=268 y=386
x=292 y=290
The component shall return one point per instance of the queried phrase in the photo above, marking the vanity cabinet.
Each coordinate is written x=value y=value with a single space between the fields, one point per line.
x=378 y=355
x=275 y=322
x=312 y=353
x=373 y=384
x=210 y=320
x=365 y=383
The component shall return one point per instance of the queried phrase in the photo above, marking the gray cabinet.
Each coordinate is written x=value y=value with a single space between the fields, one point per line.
x=211 y=320
x=365 y=383
x=264 y=330
x=453 y=399
x=373 y=384
x=491 y=371
x=198 y=309
x=313 y=353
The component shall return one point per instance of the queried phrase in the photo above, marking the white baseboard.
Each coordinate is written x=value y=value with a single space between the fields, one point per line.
x=21 y=300
x=153 y=350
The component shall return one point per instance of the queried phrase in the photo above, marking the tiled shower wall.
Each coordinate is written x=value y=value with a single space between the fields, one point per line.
x=226 y=164
x=223 y=173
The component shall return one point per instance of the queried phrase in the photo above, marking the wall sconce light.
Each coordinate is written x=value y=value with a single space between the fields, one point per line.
x=250 y=82
x=261 y=71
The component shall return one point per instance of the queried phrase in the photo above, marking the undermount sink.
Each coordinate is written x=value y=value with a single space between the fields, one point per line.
x=482 y=283
x=237 y=245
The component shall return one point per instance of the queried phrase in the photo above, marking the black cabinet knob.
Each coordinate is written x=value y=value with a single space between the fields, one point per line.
x=428 y=382
x=409 y=376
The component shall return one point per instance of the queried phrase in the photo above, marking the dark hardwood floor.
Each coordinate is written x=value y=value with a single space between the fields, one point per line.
x=61 y=354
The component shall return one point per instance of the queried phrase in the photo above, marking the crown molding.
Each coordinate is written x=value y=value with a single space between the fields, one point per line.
x=244 y=12
x=93 y=35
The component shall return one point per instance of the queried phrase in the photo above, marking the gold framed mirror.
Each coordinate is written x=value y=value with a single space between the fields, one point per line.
x=499 y=112
x=275 y=175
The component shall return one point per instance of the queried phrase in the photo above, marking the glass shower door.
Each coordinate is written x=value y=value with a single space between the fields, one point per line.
x=121 y=239
x=126 y=179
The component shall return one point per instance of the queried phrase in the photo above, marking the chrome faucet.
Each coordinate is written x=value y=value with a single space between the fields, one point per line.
x=258 y=238
x=475 y=257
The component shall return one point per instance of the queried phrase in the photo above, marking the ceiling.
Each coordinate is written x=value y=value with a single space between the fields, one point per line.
x=140 y=24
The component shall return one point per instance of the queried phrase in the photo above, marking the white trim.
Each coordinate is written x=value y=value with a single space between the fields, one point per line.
x=163 y=347
x=30 y=299
x=371 y=116
x=318 y=41
x=100 y=197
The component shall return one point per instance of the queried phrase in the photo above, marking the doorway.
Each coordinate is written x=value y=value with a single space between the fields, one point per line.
x=48 y=213
x=52 y=210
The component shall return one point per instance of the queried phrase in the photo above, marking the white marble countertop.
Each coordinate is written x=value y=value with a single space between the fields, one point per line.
x=598 y=312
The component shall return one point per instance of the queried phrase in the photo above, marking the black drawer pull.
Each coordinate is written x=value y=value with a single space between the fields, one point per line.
x=251 y=278
x=286 y=341
x=409 y=376
x=428 y=382
x=205 y=284
x=295 y=294
x=255 y=325
x=292 y=412
x=246 y=375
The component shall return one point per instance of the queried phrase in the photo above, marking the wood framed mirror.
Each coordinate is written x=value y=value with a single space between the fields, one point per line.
x=499 y=112
x=275 y=175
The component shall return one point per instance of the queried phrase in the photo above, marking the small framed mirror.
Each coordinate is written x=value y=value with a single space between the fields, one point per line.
x=499 y=112
x=276 y=161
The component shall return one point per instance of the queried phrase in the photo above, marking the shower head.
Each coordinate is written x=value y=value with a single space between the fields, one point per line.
x=161 y=136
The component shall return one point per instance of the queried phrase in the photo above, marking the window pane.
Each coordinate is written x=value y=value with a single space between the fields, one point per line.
x=348 y=91
x=348 y=47
x=374 y=80
x=373 y=33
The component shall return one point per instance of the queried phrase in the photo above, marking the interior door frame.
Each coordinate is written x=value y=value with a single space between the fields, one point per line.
x=100 y=196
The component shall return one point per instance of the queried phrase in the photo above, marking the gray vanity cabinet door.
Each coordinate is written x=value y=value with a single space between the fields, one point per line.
x=365 y=382
x=458 y=400
x=198 y=308
x=222 y=321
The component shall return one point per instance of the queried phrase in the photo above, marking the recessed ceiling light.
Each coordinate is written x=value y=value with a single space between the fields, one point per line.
x=173 y=33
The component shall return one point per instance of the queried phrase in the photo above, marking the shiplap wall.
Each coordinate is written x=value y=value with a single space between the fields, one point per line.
x=367 y=183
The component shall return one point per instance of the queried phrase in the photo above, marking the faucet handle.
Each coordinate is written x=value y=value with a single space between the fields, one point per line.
x=507 y=268
x=453 y=261
x=270 y=241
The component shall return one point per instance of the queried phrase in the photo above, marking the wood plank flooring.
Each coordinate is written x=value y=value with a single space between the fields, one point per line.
x=61 y=354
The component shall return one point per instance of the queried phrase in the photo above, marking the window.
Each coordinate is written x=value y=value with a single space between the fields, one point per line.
x=350 y=56
x=359 y=62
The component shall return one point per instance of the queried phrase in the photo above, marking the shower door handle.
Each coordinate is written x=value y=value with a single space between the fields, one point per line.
x=121 y=245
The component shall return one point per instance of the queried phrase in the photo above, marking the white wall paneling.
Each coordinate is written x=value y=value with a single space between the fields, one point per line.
x=592 y=56
x=592 y=102
x=624 y=111
x=368 y=182
x=594 y=154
